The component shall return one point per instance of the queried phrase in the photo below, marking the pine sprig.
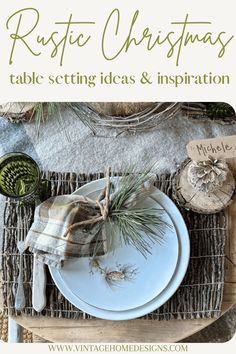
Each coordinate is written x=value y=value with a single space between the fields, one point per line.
x=130 y=183
x=120 y=213
x=138 y=227
x=38 y=114
x=86 y=120
x=44 y=111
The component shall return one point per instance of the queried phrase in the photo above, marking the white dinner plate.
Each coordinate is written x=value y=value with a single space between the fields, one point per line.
x=146 y=277
x=128 y=307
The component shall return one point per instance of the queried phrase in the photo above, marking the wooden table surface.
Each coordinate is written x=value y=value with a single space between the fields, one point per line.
x=65 y=330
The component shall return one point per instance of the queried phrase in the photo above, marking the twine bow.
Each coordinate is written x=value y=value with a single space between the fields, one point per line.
x=104 y=207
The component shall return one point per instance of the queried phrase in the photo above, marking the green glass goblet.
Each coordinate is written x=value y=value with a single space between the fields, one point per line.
x=20 y=177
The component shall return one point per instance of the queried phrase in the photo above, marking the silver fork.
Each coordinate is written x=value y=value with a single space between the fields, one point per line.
x=20 y=294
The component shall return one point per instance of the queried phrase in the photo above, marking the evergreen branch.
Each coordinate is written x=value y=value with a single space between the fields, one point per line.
x=131 y=184
x=139 y=228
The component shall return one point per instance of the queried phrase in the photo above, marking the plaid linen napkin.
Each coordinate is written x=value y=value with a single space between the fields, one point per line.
x=48 y=237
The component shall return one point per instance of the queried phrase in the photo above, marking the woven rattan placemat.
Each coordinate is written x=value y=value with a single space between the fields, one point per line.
x=199 y=295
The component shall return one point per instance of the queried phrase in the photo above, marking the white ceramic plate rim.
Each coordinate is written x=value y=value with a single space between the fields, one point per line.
x=166 y=255
x=173 y=285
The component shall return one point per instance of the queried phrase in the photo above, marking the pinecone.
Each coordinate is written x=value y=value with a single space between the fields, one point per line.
x=207 y=176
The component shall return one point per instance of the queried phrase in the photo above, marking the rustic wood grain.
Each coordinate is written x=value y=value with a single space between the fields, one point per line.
x=92 y=331
x=189 y=197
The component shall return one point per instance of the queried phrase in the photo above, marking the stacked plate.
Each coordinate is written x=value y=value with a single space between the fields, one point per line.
x=124 y=284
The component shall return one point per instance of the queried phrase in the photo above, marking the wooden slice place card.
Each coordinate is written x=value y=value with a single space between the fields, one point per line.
x=204 y=182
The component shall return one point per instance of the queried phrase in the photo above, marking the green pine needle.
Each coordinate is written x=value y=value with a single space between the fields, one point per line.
x=86 y=120
x=138 y=227
x=44 y=111
x=130 y=183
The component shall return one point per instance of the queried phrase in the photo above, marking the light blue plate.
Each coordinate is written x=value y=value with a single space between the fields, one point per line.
x=156 y=278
